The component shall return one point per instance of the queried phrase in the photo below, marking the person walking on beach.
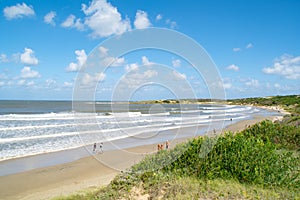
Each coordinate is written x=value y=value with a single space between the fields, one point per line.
x=95 y=146
x=162 y=147
x=167 y=144
x=101 y=146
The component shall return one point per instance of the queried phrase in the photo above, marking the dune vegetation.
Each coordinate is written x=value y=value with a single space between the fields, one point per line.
x=260 y=162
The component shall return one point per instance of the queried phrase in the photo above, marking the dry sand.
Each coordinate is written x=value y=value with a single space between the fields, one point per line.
x=89 y=172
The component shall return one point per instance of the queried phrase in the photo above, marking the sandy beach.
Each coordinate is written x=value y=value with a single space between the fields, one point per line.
x=85 y=173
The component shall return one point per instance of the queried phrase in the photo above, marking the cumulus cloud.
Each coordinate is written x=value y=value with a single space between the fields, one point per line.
x=176 y=63
x=146 y=61
x=249 y=46
x=18 y=11
x=3 y=58
x=103 y=51
x=135 y=67
x=49 y=18
x=158 y=17
x=109 y=60
x=137 y=78
x=227 y=85
x=141 y=20
x=28 y=57
x=236 y=49
x=81 y=58
x=171 y=23
x=27 y=72
x=67 y=84
x=286 y=66
x=178 y=76
x=50 y=82
x=23 y=82
x=252 y=83
x=131 y=67
x=72 y=22
x=233 y=67
x=88 y=80
x=69 y=22
x=104 y=19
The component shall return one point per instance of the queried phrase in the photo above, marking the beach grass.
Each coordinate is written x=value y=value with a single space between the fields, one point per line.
x=260 y=162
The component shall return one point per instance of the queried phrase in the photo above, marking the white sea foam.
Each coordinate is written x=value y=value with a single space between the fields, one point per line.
x=30 y=134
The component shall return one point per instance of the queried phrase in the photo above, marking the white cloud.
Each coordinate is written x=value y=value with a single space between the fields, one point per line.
x=49 y=18
x=104 y=19
x=131 y=67
x=108 y=60
x=141 y=20
x=286 y=66
x=27 y=72
x=117 y=62
x=178 y=76
x=103 y=51
x=28 y=57
x=50 y=82
x=149 y=74
x=81 y=58
x=176 y=63
x=146 y=61
x=18 y=11
x=277 y=86
x=69 y=22
x=252 y=83
x=3 y=58
x=30 y=83
x=227 y=85
x=136 y=78
x=23 y=82
x=67 y=84
x=158 y=17
x=236 y=49
x=88 y=80
x=233 y=67
x=249 y=46
x=172 y=24
x=72 y=22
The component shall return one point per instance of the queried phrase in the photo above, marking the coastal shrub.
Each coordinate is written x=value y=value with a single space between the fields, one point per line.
x=258 y=155
x=251 y=156
x=260 y=162
x=284 y=136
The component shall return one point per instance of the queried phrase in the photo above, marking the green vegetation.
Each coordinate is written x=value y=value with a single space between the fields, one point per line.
x=260 y=162
x=290 y=103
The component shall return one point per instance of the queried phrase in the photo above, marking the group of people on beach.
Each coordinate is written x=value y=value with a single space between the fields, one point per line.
x=100 y=147
x=161 y=146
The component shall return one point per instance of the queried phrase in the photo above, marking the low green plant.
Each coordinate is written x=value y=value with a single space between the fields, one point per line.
x=261 y=162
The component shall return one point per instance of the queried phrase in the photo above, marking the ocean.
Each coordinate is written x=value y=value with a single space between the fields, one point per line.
x=37 y=127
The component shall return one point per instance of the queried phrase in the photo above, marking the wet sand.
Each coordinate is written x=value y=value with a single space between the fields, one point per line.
x=88 y=172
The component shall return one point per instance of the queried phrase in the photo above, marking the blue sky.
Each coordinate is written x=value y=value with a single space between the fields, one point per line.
x=254 y=44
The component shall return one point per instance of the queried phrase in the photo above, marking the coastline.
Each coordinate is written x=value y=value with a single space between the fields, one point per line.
x=85 y=173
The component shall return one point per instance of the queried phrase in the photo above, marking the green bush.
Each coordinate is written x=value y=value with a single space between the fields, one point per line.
x=251 y=156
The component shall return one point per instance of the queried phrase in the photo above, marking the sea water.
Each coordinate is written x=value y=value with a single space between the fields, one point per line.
x=36 y=127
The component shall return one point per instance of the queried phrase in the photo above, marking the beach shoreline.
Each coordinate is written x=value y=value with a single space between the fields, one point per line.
x=87 y=172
